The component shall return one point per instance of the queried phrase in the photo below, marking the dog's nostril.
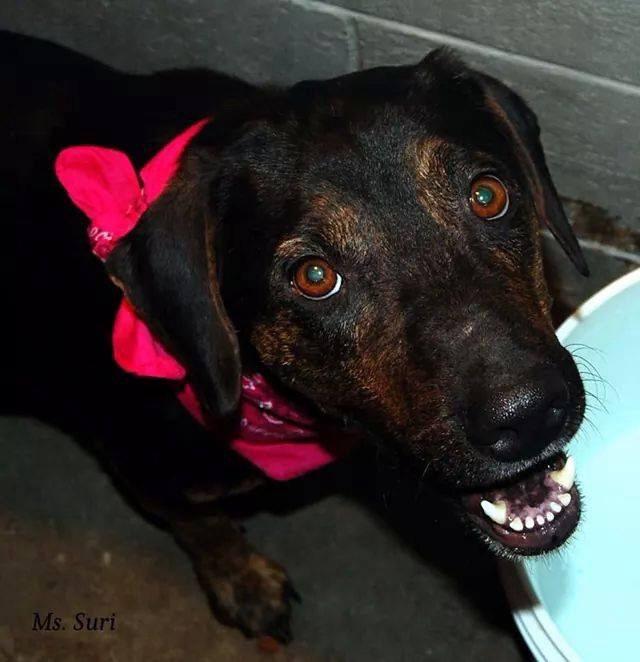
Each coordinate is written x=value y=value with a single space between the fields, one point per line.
x=555 y=417
x=505 y=444
x=507 y=437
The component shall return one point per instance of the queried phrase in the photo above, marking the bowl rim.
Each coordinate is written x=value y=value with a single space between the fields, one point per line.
x=536 y=626
x=596 y=301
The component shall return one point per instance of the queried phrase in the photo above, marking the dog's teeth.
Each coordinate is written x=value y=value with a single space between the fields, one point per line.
x=496 y=512
x=564 y=499
x=567 y=475
x=517 y=525
x=550 y=517
x=529 y=523
x=556 y=507
x=540 y=520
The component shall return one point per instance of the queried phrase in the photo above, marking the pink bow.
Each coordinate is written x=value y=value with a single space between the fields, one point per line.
x=105 y=186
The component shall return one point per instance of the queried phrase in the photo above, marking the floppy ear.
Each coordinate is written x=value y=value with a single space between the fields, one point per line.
x=168 y=268
x=521 y=123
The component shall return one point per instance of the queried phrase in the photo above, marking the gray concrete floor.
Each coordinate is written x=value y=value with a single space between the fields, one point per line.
x=69 y=543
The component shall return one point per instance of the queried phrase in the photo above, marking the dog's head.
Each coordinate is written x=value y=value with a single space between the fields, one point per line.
x=373 y=242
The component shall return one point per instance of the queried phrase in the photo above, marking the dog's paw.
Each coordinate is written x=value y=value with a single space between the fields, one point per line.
x=256 y=596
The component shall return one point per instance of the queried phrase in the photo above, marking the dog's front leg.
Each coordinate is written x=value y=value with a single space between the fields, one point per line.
x=245 y=588
x=183 y=485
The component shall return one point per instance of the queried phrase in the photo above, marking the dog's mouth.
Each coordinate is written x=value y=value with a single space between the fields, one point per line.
x=531 y=515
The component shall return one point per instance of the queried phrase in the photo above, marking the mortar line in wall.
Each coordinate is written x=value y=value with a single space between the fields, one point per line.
x=355 y=52
x=471 y=46
x=558 y=158
x=611 y=251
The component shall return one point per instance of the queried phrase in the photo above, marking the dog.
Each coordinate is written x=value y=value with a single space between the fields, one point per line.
x=369 y=245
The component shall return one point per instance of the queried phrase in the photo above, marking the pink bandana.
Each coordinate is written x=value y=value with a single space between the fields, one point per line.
x=276 y=436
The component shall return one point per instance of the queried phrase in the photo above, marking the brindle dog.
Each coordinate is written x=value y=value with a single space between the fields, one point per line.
x=370 y=242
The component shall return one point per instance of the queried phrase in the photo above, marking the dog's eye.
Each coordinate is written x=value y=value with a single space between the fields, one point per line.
x=489 y=198
x=314 y=278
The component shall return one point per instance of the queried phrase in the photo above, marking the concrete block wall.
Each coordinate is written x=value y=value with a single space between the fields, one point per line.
x=577 y=62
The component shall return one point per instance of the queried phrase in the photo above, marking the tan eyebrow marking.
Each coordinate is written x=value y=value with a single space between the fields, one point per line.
x=427 y=157
x=341 y=221
x=290 y=248
x=336 y=222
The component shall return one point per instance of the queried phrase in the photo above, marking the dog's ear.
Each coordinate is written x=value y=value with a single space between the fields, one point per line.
x=168 y=268
x=522 y=125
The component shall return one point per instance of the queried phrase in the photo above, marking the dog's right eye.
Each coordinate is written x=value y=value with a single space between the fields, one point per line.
x=489 y=198
x=315 y=278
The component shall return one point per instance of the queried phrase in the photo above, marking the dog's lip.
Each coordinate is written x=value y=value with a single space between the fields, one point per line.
x=532 y=513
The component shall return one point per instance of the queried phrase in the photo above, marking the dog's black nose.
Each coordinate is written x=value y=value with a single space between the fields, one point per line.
x=519 y=422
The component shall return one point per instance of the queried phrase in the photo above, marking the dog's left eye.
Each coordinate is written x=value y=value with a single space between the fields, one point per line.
x=315 y=278
x=489 y=198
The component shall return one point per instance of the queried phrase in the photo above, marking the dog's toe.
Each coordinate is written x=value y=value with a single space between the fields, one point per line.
x=256 y=596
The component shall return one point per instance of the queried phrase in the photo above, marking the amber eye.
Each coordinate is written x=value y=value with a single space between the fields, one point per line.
x=314 y=278
x=489 y=198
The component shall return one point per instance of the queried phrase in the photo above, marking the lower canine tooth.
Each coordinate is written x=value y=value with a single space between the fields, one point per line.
x=556 y=507
x=566 y=475
x=495 y=511
x=517 y=525
x=564 y=499
x=529 y=522
x=540 y=520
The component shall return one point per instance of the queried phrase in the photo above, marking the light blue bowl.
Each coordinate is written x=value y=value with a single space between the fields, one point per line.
x=583 y=602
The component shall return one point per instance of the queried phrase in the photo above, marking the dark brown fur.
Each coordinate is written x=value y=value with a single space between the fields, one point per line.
x=439 y=309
